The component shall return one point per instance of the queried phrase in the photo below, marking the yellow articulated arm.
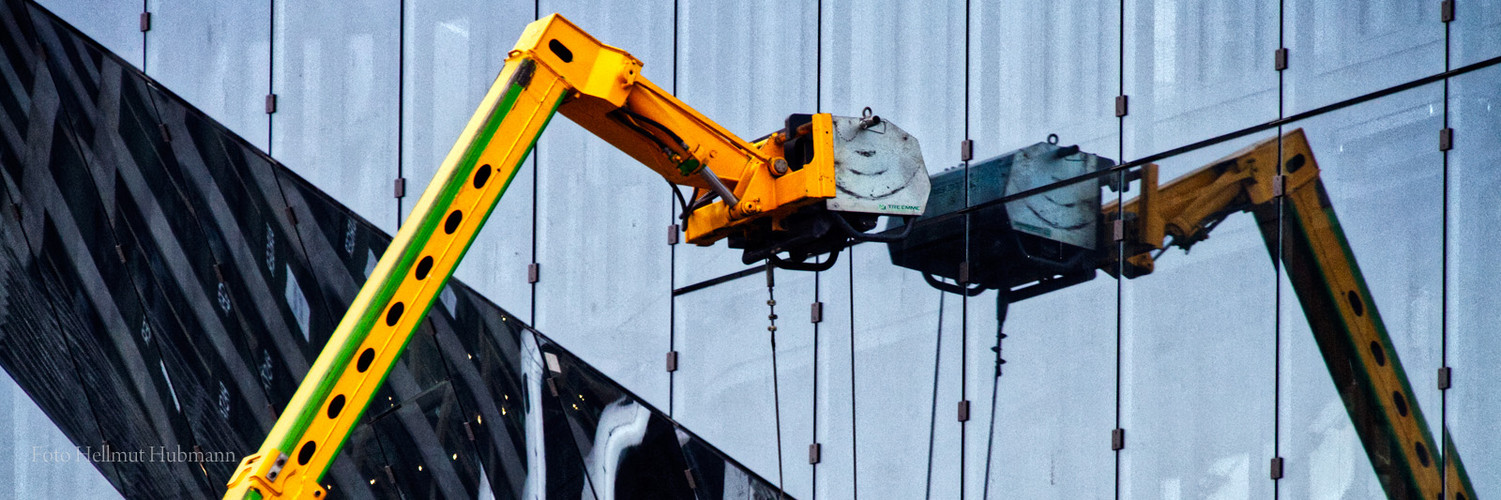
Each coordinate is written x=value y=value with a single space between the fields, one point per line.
x=1326 y=278
x=556 y=67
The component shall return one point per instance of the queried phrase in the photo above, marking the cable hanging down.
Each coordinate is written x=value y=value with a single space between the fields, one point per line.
x=776 y=394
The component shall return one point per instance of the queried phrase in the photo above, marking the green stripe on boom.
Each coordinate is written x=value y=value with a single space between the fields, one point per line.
x=398 y=273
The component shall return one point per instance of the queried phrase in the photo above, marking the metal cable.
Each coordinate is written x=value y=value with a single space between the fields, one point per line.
x=776 y=394
x=933 y=412
x=854 y=430
x=1001 y=307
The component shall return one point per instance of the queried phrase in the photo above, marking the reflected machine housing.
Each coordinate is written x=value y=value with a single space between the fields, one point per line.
x=1024 y=247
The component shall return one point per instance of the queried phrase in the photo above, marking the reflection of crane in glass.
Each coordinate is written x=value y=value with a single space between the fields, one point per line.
x=1010 y=253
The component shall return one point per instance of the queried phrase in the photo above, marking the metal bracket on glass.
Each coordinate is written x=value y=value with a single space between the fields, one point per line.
x=815 y=453
x=1118 y=439
x=672 y=233
x=1281 y=59
x=964 y=411
x=1446 y=139
x=1445 y=378
x=120 y=252
x=1120 y=106
x=469 y=430
x=1279 y=185
x=166 y=134
x=1446 y=10
x=672 y=361
x=390 y=476
x=1276 y=469
x=692 y=484
x=270 y=103
x=399 y=188
x=815 y=314
x=145 y=22
x=966 y=150
x=1118 y=230
x=534 y=272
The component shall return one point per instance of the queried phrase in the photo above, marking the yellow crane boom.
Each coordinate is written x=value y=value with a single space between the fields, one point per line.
x=767 y=192
x=1353 y=340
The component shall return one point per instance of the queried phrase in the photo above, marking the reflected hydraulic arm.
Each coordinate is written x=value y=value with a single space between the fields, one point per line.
x=1323 y=272
x=776 y=195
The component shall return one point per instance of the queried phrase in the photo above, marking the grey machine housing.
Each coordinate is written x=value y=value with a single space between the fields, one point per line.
x=1024 y=247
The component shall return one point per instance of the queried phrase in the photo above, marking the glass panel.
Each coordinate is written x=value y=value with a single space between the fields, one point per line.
x=216 y=55
x=1337 y=51
x=196 y=338
x=1476 y=32
x=1474 y=308
x=739 y=95
x=45 y=464
x=115 y=24
x=1362 y=339
x=1054 y=398
x=1197 y=70
x=905 y=61
x=629 y=448
x=454 y=50
x=899 y=414
x=723 y=388
x=602 y=219
x=1039 y=69
x=334 y=72
x=1198 y=345
x=119 y=173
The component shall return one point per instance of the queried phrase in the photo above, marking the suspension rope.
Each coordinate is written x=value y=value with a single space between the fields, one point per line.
x=933 y=411
x=854 y=431
x=776 y=393
x=1002 y=304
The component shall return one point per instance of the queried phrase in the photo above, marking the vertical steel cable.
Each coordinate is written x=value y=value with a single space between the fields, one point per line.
x=933 y=407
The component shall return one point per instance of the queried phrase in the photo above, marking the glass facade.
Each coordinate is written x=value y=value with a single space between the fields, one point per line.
x=1326 y=337
x=166 y=285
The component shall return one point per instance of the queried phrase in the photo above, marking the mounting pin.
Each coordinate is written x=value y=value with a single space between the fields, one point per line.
x=1446 y=11
x=1276 y=468
x=145 y=21
x=672 y=361
x=270 y=103
x=966 y=150
x=1445 y=378
x=1120 y=106
x=1446 y=139
x=964 y=411
x=815 y=453
x=672 y=233
x=816 y=315
x=400 y=187
x=1281 y=59
x=1118 y=439
x=534 y=272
